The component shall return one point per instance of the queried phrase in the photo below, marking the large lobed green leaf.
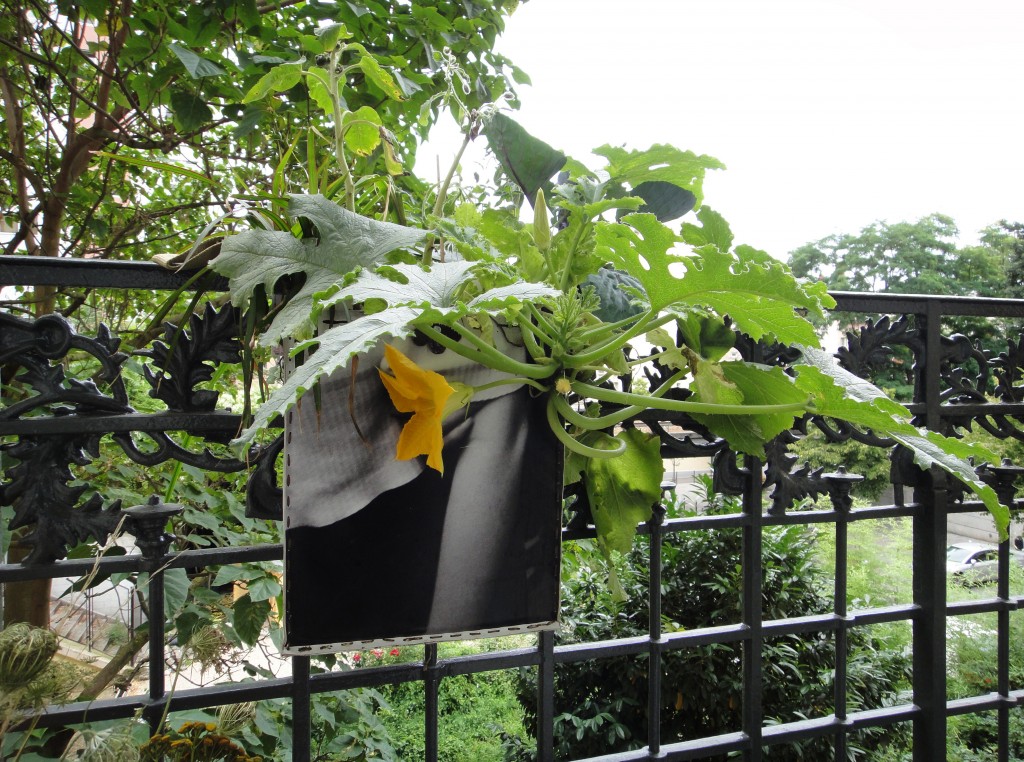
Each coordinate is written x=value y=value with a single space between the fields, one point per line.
x=758 y=293
x=347 y=241
x=425 y=295
x=660 y=163
x=837 y=393
x=437 y=288
x=750 y=384
x=622 y=490
x=335 y=348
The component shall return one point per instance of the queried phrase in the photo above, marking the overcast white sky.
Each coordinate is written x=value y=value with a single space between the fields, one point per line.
x=828 y=114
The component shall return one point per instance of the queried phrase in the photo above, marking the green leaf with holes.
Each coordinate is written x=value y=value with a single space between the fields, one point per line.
x=759 y=294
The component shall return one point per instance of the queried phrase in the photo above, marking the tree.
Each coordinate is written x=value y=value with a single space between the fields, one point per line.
x=103 y=99
x=904 y=258
x=1007 y=240
x=919 y=257
x=127 y=129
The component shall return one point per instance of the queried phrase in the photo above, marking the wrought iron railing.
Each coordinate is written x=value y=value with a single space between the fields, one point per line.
x=57 y=422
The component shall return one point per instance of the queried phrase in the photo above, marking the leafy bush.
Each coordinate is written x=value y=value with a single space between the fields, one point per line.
x=601 y=705
x=864 y=460
x=973 y=660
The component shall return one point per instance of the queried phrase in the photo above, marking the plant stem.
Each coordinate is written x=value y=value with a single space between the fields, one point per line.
x=546 y=330
x=685 y=406
x=507 y=381
x=563 y=282
x=442 y=191
x=581 y=421
x=571 y=443
x=487 y=355
x=594 y=354
x=527 y=329
x=603 y=329
x=339 y=134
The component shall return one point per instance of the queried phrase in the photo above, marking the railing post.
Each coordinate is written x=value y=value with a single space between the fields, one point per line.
x=654 y=627
x=302 y=726
x=546 y=697
x=929 y=559
x=1005 y=477
x=929 y=636
x=753 y=583
x=147 y=523
x=431 y=709
x=840 y=484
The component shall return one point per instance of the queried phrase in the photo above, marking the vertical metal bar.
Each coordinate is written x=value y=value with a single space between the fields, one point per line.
x=753 y=646
x=302 y=724
x=1003 y=651
x=157 y=656
x=546 y=697
x=654 y=627
x=840 y=484
x=929 y=533
x=1005 y=478
x=148 y=522
x=431 y=687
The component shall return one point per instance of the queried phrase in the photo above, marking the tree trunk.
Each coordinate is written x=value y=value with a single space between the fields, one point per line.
x=26 y=601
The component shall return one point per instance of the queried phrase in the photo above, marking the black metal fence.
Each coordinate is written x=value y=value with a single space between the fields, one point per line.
x=55 y=425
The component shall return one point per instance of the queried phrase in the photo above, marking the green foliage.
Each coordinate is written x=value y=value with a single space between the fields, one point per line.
x=115 y=160
x=908 y=258
x=600 y=704
x=473 y=711
x=837 y=393
x=864 y=460
x=919 y=258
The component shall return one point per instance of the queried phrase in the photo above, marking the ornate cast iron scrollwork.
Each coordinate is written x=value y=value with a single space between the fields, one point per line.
x=789 y=480
x=182 y=359
x=38 y=485
x=34 y=356
x=1008 y=369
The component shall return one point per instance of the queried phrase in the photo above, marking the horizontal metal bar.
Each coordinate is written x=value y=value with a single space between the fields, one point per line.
x=884 y=615
x=983 y=606
x=973 y=409
x=911 y=304
x=218 y=422
x=602 y=649
x=17 y=270
x=206 y=697
x=883 y=512
x=701 y=748
x=20 y=270
x=491 y=661
x=698 y=748
x=186 y=559
x=984 y=703
x=374 y=677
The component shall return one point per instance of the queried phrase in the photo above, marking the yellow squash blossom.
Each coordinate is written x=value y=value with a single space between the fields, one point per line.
x=424 y=394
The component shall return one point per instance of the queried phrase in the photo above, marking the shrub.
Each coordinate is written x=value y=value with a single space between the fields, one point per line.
x=601 y=705
x=864 y=460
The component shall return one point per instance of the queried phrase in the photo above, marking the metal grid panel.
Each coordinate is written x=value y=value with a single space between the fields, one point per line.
x=928 y=611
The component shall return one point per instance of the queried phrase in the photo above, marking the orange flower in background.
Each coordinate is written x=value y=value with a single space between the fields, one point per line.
x=424 y=394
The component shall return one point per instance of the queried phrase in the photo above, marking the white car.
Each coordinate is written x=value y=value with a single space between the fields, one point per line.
x=976 y=562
